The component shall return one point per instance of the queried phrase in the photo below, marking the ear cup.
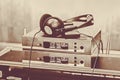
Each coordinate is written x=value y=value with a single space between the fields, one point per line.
x=53 y=26
x=42 y=20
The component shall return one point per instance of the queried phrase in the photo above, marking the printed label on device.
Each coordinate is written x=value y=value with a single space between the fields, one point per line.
x=55 y=45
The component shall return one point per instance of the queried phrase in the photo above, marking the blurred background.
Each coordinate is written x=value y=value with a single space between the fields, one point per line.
x=16 y=15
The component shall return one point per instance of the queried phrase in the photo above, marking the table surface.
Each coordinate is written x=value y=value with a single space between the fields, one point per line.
x=14 y=57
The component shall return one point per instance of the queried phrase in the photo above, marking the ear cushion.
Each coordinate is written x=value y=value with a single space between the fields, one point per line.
x=55 y=25
x=42 y=20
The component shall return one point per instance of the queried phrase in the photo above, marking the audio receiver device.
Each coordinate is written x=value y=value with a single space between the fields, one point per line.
x=82 y=44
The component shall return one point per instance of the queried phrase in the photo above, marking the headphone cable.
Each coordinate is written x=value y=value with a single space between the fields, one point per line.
x=30 y=57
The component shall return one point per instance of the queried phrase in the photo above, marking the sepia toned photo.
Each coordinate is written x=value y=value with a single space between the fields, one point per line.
x=59 y=40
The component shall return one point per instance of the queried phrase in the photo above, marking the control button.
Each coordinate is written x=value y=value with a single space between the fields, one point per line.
x=75 y=46
x=40 y=59
x=81 y=47
x=75 y=43
x=40 y=44
x=75 y=57
x=46 y=58
x=46 y=44
x=81 y=62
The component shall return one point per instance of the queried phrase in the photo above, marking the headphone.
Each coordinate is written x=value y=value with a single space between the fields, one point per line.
x=54 y=27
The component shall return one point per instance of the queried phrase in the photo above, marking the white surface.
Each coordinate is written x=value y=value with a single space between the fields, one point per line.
x=5 y=50
x=13 y=78
x=0 y=74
